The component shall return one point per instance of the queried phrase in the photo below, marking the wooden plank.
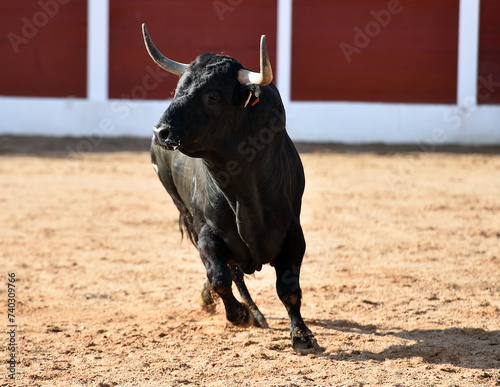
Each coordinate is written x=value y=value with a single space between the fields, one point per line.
x=406 y=53
x=489 y=53
x=43 y=48
x=182 y=30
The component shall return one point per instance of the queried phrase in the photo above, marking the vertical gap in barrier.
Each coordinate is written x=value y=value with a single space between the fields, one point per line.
x=468 y=52
x=284 y=49
x=97 y=49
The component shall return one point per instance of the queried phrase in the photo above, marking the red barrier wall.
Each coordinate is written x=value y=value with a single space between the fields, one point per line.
x=43 y=48
x=375 y=50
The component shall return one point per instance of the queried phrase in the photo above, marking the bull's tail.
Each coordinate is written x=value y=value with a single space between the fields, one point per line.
x=186 y=226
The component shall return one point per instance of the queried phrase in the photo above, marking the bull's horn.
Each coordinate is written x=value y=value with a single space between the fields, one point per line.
x=266 y=73
x=161 y=60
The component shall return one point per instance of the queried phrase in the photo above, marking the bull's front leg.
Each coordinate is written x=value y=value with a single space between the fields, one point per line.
x=259 y=319
x=213 y=252
x=287 y=267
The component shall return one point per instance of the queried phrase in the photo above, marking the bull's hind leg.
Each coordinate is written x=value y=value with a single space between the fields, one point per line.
x=259 y=319
x=287 y=267
x=213 y=252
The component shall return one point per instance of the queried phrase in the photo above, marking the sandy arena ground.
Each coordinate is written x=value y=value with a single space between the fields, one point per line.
x=401 y=279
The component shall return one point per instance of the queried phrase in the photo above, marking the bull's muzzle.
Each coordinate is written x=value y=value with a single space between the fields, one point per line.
x=164 y=137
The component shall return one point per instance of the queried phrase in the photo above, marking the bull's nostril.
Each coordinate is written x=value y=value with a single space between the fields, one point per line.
x=163 y=134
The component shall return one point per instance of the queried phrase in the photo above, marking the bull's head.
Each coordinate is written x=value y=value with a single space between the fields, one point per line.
x=213 y=95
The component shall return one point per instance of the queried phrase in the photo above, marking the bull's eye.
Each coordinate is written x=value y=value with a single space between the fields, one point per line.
x=213 y=97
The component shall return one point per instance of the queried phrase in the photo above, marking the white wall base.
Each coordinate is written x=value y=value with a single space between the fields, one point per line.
x=390 y=123
x=342 y=122
x=78 y=117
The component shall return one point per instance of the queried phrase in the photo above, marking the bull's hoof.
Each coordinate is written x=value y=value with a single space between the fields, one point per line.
x=304 y=341
x=259 y=320
x=242 y=317
x=305 y=345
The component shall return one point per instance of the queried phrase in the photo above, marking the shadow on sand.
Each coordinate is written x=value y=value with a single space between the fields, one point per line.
x=68 y=146
x=462 y=347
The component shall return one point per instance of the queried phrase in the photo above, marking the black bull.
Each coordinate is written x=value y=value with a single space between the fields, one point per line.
x=222 y=152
